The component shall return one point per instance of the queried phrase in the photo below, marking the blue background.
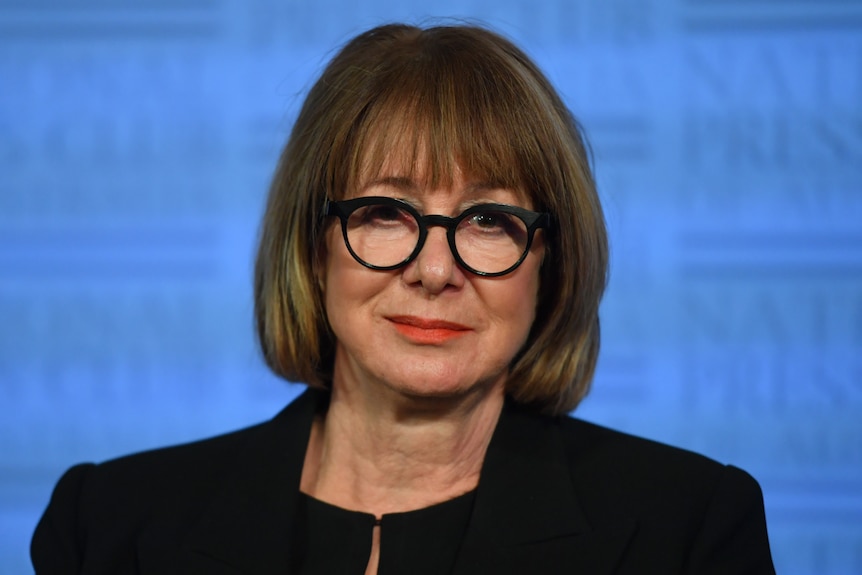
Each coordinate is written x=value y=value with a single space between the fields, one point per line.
x=136 y=144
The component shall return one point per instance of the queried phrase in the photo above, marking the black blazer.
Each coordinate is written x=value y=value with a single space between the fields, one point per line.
x=556 y=495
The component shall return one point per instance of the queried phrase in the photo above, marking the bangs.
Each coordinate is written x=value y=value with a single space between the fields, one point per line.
x=431 y=116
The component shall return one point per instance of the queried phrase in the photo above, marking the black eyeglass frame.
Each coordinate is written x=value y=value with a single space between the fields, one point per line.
x=344 y=208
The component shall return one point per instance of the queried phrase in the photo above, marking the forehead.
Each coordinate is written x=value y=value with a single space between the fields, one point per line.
x=416 y=164
x=413 y=183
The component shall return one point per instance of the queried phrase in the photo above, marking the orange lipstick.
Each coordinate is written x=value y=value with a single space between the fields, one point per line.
x=427 y=331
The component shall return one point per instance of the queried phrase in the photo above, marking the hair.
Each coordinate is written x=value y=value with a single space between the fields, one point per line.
x=453 y=97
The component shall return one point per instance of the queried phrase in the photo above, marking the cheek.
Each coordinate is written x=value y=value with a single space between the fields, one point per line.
x=526 y=298
x=335 y=263
x=351 y=289
x=333 y=272
x=330 y=275
x=515 y=301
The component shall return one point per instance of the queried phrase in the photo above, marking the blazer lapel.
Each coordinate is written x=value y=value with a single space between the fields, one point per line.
x=527 y=517
x=247 y=527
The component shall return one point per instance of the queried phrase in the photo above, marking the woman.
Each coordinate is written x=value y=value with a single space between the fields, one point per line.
x=431 y=263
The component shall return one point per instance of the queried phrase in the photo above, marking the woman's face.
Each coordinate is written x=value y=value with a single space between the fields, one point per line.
x=429 y=328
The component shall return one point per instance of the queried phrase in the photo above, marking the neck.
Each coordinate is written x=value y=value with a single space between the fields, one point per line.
x=386 y=452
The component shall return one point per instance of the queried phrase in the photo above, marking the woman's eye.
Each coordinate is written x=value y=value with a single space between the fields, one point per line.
x=494 y=226
x=383 y=214
x=383 y=217
x=489 y=220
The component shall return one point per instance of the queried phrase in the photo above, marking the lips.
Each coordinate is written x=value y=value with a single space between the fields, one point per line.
x=428 y=331
x=424 y=323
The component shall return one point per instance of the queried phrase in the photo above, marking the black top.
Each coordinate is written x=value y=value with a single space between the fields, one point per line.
x=421 y=542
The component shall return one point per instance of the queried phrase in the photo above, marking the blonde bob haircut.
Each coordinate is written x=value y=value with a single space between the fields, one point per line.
x=449 y=98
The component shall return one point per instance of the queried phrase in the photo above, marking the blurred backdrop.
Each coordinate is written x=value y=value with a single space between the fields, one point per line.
x=137 y=139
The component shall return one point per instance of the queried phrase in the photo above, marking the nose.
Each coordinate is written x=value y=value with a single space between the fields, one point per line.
x=435 y=267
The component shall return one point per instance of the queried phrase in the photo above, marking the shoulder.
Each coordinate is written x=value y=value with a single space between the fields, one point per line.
x=111 y=500
x=182 y=472
x=187 y=472
x=592 y=446
x=98 y=510
x=708 y=514
x=638 y=472
x=191 y=470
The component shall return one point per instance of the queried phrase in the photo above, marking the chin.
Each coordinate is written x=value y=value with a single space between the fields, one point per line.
x=437 y=388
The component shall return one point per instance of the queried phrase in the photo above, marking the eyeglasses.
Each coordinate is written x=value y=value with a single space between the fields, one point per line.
x=487 y=239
